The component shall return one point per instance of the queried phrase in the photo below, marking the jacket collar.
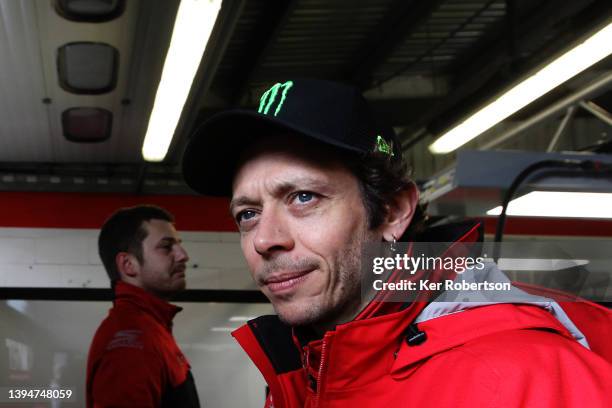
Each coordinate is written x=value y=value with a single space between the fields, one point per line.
x=364 y=351
x=159 y=309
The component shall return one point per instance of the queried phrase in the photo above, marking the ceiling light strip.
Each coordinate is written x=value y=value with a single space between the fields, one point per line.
x=192 y=29
x=574 y=61
x=559 y=204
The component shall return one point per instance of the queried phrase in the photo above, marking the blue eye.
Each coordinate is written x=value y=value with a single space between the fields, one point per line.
x=305 y=196
x=245 y=215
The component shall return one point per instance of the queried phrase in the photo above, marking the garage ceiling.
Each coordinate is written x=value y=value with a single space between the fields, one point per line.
x=423 y=64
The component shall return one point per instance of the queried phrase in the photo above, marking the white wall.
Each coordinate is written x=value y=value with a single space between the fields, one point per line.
x=44 y=257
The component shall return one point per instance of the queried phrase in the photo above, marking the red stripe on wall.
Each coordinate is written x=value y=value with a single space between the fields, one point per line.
x=197 y=213
x=89 y=210
x=552 y=226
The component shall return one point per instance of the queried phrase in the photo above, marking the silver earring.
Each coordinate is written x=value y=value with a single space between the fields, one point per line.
x=394 y=244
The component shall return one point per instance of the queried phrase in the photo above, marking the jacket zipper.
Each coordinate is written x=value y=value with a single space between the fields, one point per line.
x=320 y=374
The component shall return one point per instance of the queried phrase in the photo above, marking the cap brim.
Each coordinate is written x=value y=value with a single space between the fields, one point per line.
x=212 y=153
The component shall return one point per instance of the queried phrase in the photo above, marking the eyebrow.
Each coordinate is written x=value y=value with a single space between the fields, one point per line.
x=171 y=240
x=241 y=201
x=281 y=189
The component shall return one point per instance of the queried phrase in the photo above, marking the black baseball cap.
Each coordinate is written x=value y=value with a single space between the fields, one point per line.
x=328 y=112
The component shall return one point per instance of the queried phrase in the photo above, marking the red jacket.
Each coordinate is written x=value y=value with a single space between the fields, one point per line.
x=502 y=355
x=133 y=359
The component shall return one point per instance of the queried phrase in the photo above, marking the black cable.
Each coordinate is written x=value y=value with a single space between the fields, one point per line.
x=586 y=165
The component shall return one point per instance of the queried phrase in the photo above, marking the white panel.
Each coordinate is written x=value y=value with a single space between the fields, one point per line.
x=31 y=32
x=216 y=261
x=210 y=236
x=197 y=236
x=16 y=250
x=84 y=276
x=230 y=237
x=32 y=275
x=237 y=279
x=203 y=278
x=93 y=257
x=214 y=254
x=24 y=133
x=19 y=275
x=55 y=31
x=47 y=257
x=62 y=250
x=53 y=276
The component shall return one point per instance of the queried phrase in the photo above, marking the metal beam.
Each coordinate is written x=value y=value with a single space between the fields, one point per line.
x=94 y=294
x=600 y=85
x=150 y=178
x=562 y=126
x=597 y=111
x=403 y=17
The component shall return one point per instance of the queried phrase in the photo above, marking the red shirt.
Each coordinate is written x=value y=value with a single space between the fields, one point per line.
x=134 y=360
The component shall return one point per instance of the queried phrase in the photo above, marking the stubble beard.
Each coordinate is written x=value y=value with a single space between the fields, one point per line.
x=162 y=286
x=345 y=302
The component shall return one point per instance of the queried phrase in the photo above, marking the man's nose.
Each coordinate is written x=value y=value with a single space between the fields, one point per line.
x=272 y=234
x=181 y=254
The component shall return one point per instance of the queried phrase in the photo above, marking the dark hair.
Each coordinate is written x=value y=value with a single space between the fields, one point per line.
x=124 y=232
x=381 y=177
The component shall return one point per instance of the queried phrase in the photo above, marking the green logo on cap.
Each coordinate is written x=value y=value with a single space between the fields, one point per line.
x=383 y=147
x=269 y=97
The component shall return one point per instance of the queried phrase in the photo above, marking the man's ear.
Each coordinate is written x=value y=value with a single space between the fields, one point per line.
x=126 y=264
x=400 y=213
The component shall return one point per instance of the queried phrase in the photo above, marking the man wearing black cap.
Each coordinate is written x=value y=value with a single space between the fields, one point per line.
x=312 y=179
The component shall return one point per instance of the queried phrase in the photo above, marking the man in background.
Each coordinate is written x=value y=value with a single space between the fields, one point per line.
x=134 y=360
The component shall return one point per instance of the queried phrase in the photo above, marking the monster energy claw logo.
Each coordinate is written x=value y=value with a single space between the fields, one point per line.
x=269 y=97
x=383 y=147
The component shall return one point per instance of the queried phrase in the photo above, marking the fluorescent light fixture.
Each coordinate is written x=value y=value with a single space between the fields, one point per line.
x=574 y=61
x=560 y=204
x=192 y=28
x=241 y=318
